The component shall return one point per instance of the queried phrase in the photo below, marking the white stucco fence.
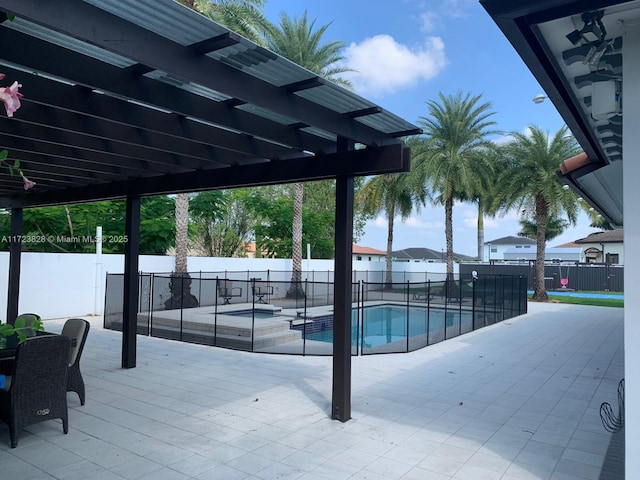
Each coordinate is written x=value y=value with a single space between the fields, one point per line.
x=57 y=285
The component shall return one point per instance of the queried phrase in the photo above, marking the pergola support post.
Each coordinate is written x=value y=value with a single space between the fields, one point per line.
x=130 y=300
x=341 y=393
x=15 y=252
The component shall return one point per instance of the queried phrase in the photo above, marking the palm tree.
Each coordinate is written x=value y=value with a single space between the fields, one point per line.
x=392 y=193
x=245 y=17
x=530 y=182
x=449 y=161
x=296 y=40
x=554 y=228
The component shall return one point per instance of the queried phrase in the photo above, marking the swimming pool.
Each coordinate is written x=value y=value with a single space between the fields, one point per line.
x=384 y=324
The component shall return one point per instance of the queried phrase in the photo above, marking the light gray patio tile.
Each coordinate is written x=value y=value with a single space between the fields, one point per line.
x=388 y=467
x=135 y=442
x=304 y=460
x=134 y=469
x=110 y=456
x=579 y=469
x=442 y=465
x=169 y=455
x=470 y=472
x=193 y=465
x=223 y=472
x=529 y=472
x=78 y=471
x=406 y=455
x=454 y=453
x=552 y=439
x=12 y=467
x=421 y=474
x=489 y=462
x=280 y=471
x=334 y=470
x=311 y=476
x=53 y=457
x=250 y=463
x=164 y=474
x=583 y=457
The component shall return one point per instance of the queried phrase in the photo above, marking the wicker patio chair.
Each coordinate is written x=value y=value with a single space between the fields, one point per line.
x=76 y=329
x=36 y=391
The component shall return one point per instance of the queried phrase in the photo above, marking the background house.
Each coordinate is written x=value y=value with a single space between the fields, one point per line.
x=554 y=255
x=603 y=247
x=367 y=253
x=495 y=249
x=419 y=254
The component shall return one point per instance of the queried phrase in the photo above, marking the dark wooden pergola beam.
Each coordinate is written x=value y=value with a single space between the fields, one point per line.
x=88 y=144
x=94 y=74
x=59 y=120
x=370 y=161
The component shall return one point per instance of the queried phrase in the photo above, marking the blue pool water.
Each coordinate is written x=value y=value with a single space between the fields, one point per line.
x=384 y=324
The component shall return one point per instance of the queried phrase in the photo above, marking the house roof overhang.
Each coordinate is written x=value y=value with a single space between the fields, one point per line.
x=143 y=97
x=571 y=73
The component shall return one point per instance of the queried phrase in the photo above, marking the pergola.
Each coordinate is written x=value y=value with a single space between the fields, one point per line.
x=128 y=98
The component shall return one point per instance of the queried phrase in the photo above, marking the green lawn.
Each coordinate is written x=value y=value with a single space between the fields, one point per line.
x=600 y=302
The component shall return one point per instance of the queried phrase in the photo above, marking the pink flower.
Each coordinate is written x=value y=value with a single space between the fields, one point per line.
x=10 y=96
x=27 y=183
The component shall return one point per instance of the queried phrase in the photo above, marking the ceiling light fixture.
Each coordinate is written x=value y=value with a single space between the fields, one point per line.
x=539 y=98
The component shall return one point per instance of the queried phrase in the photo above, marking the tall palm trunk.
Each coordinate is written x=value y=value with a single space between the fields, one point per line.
x=448 y=232
x=391 y=212
x=182 y=221
x=480 y=228
x=542 y=212
x=180 y=283
x=296 y=290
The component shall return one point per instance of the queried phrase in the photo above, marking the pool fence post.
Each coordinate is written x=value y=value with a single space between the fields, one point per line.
x=408 y=293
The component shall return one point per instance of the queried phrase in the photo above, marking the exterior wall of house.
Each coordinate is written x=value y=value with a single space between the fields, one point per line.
x=496 y=252
x=368 y=257
x=594 y=250
x=631 y=169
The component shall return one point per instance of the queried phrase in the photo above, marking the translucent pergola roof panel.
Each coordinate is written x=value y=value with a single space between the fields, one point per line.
x=125 y=97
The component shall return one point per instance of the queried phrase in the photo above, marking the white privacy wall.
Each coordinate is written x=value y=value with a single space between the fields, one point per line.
x=57 y=285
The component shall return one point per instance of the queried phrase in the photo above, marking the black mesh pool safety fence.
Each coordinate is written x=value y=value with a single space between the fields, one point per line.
x=261 y=314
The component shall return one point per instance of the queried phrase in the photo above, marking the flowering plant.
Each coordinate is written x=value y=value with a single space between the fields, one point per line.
x=10 y=96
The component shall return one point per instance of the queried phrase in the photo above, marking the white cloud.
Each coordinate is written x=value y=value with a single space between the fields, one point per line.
x=429 y=21
x=411 y=222
x=383 y=65
x=416 y=222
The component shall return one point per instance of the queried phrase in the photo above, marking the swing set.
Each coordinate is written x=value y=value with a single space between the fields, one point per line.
x=564 y=279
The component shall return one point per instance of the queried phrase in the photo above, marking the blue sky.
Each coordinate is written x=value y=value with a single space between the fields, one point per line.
x=407 y=51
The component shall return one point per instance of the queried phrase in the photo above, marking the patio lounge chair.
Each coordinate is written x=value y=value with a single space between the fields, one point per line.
x=227 y=291
x=76 y=329
x=36 y=390
x=262 y=290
